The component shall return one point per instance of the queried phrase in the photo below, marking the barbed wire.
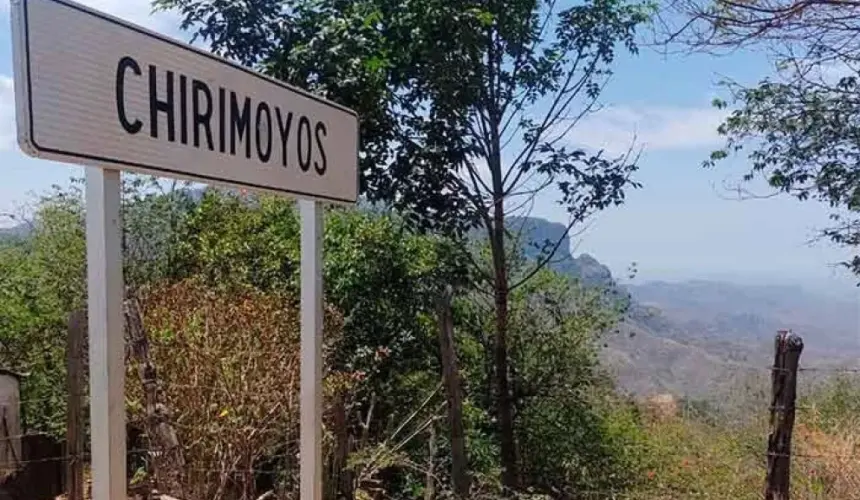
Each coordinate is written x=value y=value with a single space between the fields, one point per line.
x=813 y=369
x=274 y=457
x=56 y=398
x=821 y=369
x=61 y=396
x=231 y=472
x=293 y=456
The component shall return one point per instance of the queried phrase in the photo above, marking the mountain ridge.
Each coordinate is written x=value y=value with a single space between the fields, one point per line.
x=701 y=338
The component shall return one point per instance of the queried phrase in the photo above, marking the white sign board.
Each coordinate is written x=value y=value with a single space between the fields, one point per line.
x=95 y=90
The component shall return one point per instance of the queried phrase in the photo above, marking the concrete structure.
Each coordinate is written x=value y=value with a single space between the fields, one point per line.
x=10 y=421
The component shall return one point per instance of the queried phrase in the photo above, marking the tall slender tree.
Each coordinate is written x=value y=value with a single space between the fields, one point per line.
x=467 y=109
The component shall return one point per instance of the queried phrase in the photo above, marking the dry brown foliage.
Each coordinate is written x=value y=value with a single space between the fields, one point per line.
x=228 y=375
x=661 y=407
x=827 y=462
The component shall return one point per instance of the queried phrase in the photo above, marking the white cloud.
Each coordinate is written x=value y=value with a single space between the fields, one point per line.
x=7 y=113
x=135 y=11
x=832 y=72
x=138 y=12
x=654 y=128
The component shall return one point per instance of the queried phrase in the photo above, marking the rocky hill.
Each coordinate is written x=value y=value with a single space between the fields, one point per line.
x=539 y=236
x=704 y=339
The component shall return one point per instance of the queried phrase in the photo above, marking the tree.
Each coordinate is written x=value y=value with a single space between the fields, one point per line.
x=572 y=434
x=43 y=276
x=465 y=109
x=484 y=97
x=799 y=127
x=41 y=280
x=556 y=325
x=153 y=214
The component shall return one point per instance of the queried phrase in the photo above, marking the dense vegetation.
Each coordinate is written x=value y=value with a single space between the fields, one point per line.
x=218 y=283
x=465 y=107
x=218 y=280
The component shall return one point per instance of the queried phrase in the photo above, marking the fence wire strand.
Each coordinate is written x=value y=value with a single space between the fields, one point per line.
x=293 y=456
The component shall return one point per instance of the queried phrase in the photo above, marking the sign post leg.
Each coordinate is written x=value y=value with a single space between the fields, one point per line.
x=106 y=338
x=310 y=446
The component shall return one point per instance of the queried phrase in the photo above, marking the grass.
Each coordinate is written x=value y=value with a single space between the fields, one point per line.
x=695 y=457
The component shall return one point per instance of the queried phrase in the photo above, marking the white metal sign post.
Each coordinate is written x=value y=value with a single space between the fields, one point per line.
x=107 y=346
x=310 y=405
x=94 y=90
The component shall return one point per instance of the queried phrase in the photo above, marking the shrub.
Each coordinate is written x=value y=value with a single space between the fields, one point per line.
x=228 y=372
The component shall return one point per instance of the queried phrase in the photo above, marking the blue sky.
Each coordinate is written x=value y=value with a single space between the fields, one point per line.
x=681 y=225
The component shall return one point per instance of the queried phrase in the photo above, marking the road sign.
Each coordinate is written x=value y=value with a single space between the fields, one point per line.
x=95 y=90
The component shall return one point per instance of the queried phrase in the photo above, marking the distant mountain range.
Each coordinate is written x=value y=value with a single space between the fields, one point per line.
x=19 y=231
x=747 y=313
x=703 y=339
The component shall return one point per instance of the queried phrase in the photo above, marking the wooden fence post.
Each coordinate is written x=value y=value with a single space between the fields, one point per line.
x=168 y=459
x=75 y=384
x=788 y=347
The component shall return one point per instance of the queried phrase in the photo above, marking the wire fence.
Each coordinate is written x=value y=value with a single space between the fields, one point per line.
x=801 y=455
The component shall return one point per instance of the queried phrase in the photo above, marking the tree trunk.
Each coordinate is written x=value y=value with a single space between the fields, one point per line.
x=454 y=395
x=504 y=404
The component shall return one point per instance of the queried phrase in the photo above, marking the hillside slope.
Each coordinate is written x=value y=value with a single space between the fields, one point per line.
x=752 y=314
x=703 y=339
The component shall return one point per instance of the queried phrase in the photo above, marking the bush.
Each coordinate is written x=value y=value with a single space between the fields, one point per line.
x=228 y=373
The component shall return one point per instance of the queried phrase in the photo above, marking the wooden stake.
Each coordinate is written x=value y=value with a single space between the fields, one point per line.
x=454 y=395
x=75 y=407
x=788 y=347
